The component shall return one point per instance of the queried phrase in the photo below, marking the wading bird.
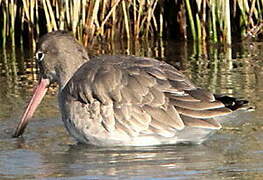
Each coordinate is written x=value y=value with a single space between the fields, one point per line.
x=123 y=100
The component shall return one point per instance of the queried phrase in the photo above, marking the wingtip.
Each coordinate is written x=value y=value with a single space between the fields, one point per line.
x=231 y=102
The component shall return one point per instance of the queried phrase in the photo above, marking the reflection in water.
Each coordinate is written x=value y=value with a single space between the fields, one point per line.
x=47 y=151
x=203 y=161
x=126 y=162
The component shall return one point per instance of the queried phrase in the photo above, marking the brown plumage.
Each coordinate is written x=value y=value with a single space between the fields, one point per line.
x=126 y=100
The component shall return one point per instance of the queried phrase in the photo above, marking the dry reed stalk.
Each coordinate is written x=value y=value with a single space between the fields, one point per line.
x=61 y=13
x=150 y=14
x=68 y=19
x=93 y=19
x=138 y=23
x=4 y=28
x=83 y=14
x=75 y=16
x=227 y=21
x=49 y=26
x=214 y=29
x=26 y=9
x=161 y=24
x=12 y=11
x=37 y=19
x=31 y=11
x=103 y=9
x=113 y=8
x=52 y=16
x=126 y=20
x=113 y=29
x=204 y=21
x=134 y=16
x=57 y=6
x=22 y=26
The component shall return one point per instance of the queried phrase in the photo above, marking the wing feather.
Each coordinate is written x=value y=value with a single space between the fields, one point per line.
x=199 y=105
x=144 y=96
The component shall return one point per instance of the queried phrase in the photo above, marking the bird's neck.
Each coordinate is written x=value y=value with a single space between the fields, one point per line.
x=67 y=70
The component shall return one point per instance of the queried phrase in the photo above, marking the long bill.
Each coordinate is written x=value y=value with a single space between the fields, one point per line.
x=38 y=95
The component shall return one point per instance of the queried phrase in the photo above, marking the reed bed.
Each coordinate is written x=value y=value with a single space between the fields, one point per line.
x=91 y=20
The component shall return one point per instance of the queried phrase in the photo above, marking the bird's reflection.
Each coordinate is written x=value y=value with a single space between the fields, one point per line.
x=88 y=160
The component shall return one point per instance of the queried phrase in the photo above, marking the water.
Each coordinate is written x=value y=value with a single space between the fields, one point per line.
x=47 y=152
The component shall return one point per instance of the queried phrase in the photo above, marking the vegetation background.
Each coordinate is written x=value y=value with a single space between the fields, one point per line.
x=91 y=20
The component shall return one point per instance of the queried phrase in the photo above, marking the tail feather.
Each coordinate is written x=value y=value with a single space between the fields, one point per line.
x=231 y=102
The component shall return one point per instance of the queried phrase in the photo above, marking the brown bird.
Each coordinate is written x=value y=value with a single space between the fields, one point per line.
x=123 y=100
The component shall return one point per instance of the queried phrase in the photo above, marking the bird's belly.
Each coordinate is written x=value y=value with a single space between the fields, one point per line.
x=81 y=121
x=84 y=123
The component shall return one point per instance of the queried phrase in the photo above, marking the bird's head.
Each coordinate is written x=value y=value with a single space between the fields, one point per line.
x=58 y=56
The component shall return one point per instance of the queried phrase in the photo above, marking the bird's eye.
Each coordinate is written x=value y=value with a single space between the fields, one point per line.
x=40 y=56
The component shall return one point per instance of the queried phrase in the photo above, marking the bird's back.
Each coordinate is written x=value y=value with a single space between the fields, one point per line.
x=128 y=100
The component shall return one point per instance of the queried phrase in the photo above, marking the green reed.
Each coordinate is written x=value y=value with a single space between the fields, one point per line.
x=113 y=19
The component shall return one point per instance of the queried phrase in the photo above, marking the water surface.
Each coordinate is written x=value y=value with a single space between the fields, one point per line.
x=47 y=152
